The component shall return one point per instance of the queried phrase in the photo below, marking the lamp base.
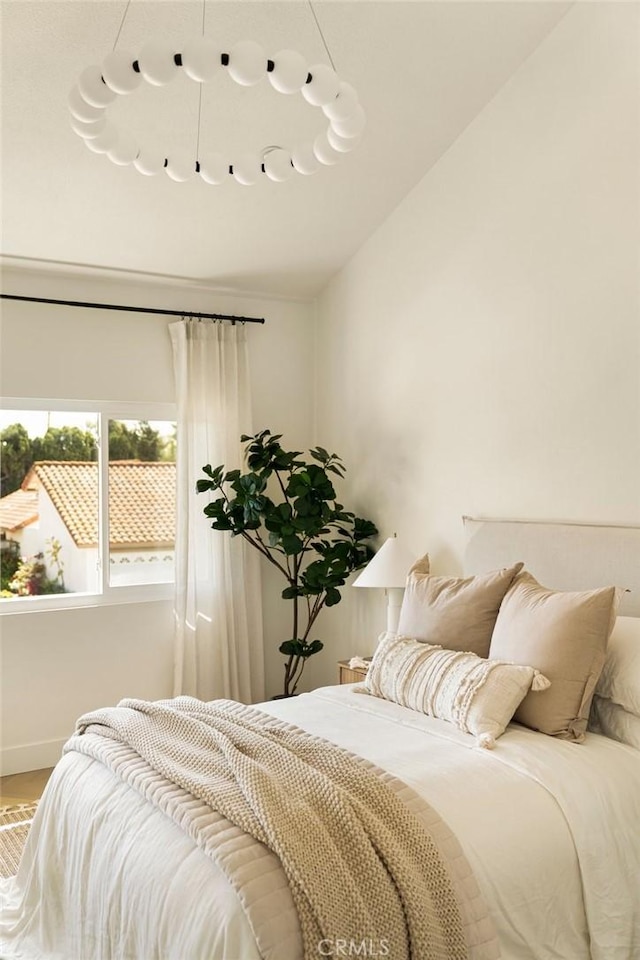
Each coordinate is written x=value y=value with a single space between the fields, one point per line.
x=394 y=603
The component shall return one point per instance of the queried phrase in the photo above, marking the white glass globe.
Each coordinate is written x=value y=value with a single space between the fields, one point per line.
x=81 y=109
x=289 y=73
x=342 y=144
x=125 y=150
x=247 y=170
x=118 y=72
x=353 y=125
x=180 y=170
x=93 y=89
x=149 y=162
x=324 y=85
x=104 y=141
x=214 y=168
x=277 y=165
x=247 y=63
x=200 y=59
x=304 y=159
x=324 y=151
x=156 y=62
x=343 y=105
x=88 y=130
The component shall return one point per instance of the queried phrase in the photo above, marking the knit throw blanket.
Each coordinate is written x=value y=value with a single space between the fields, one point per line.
x=360 y=866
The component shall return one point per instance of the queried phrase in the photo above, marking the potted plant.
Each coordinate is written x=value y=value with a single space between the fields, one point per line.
x=286 y=508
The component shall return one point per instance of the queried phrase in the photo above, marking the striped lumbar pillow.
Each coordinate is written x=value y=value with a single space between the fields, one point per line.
x=479 y=696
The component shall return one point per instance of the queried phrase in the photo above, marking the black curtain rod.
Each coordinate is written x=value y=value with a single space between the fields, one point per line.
x=115 y=306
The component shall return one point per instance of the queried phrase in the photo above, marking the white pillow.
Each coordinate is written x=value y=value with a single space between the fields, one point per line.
x=479 y=696
x=613 y=721
x=620 y=677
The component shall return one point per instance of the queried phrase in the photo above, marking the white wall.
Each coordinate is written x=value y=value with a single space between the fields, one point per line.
x=483 y=346
x=59 y=664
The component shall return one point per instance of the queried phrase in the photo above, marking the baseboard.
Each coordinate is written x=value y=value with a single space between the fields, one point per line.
x=30 y=756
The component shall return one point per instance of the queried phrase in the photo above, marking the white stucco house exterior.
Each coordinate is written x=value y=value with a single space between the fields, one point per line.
x=59 y=501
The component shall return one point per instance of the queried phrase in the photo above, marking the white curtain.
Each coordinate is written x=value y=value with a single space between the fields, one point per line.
x=218 y=637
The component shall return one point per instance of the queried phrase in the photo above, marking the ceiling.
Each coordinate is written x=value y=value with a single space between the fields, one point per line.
x=423 y=71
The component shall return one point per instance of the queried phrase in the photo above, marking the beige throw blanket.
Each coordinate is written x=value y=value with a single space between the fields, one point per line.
x=360 y=866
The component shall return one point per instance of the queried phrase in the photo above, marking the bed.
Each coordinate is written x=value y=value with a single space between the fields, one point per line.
x=545 y=834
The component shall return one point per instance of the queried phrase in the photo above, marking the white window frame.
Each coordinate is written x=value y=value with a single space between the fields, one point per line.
x=109 y=595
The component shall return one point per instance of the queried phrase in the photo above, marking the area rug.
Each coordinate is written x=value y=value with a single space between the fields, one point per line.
x=14 y=827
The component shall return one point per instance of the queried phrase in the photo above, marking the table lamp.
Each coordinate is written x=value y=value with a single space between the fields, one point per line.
x=388 y=570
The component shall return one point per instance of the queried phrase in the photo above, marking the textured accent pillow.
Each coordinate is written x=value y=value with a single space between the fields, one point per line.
x=454 y=612
x=479 y=696
x=564 y=635
x=620 y=677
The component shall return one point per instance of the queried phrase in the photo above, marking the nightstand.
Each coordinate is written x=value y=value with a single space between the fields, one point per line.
x=347 y=674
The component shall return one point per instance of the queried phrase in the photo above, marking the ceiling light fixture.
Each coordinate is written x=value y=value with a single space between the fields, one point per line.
x=158 y=63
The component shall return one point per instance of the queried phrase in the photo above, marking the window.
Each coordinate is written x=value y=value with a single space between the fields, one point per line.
x=87 y=503
x=142 y=497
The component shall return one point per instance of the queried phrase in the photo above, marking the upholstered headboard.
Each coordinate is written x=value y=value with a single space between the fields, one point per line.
x=563 y=556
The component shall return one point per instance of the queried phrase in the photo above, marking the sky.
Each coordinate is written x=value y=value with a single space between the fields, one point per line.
x=36 y=422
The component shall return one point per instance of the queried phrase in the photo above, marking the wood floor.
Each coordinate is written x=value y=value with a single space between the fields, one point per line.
x=23 y=787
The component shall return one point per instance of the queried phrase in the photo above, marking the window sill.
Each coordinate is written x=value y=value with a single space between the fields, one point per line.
x=148 y=593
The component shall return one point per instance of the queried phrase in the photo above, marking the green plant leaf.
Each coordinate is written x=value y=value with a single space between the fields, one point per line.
x=290 y=592
x=292 y=545
x=292 y=648
x=333 y=597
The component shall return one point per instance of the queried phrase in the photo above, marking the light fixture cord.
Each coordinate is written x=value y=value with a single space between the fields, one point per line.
x=124 y=17
x=204 y=10
x=322 y=35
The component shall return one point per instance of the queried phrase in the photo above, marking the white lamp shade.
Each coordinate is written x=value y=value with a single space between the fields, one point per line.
x=149 y=162
x=214 y=168
x=342 y=144
x=93 y=89
x=389 y=568
x=289 y=73
x=81 y=109
x=247 y=169
x=105 y=140
x=89 y=129
x=124 y=151
x=157 y=63
x=323 y=87
x=180 y=170
x=324 y=151
x=304 y=159
x=118 y=72
x=247 y=63
x=200 y=59
x=343 y=105
x=352 y=125
x=277 y=165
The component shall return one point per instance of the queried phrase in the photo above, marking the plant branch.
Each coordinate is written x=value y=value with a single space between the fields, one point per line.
x=259 y=545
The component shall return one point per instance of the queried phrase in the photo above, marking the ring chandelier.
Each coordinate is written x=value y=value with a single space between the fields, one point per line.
x=247 y=64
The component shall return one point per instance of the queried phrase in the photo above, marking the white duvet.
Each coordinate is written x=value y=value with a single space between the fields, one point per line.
x=551 y=829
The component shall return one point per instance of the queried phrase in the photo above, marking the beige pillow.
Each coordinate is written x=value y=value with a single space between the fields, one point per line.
x=479 y=696
x=613 y=721
x=453 y=612
x=564 y=635
x=620 y=677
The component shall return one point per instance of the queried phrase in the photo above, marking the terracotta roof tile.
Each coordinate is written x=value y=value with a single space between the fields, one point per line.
x=141 y=500
x=18 y=509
